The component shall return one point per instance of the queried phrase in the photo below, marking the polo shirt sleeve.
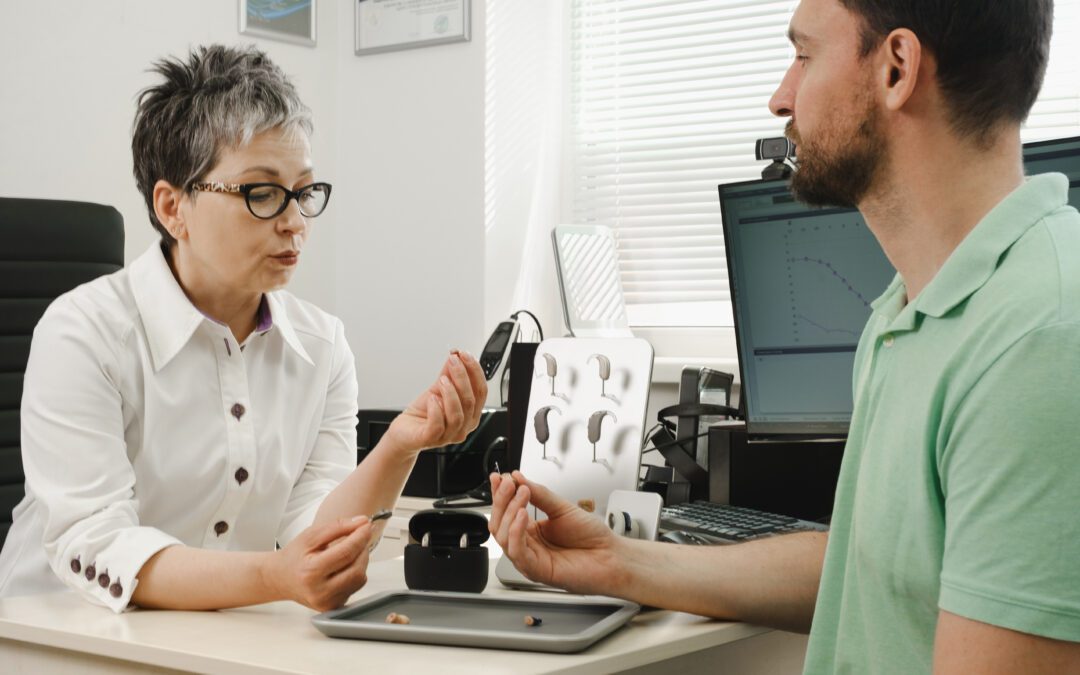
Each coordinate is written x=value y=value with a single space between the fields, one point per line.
x=1010 y=474
x=333 y=455
x=75 y=460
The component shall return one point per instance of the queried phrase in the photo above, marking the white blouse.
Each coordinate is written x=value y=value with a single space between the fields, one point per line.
x=145 y=424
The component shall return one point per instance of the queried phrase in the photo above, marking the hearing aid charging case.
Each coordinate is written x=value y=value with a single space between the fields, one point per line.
x=437 y=561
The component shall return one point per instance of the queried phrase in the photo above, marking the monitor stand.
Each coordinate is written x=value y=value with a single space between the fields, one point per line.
x=795 y=478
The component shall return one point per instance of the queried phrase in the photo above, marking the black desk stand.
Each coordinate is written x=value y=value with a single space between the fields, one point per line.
x=792 y=477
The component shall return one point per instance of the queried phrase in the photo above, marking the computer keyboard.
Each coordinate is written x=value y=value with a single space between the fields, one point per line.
x=725 y=524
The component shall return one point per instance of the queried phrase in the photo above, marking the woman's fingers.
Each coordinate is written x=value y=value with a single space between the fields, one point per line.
x=344 y=552
x=451 y=405
x=322 y=535
x=459 y=375
x=478 y=384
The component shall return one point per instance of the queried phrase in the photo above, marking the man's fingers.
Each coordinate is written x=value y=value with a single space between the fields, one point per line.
x=543 y=498
x=518 y=503
x=501 y=494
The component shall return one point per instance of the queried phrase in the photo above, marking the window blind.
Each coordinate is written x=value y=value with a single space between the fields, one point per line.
x=666 y=100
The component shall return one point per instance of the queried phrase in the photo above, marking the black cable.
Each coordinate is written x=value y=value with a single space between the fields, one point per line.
x=539 y=328
x=678 y=441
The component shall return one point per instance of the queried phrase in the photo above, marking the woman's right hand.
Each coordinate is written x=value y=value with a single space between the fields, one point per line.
x=323 y=565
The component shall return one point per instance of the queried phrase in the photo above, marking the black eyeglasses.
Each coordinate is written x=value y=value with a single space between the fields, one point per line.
x=268 y=200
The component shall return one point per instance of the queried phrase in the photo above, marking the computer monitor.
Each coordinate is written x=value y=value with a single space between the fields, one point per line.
x=802 y=280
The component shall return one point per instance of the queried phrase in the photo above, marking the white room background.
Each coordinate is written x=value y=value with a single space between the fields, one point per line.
x=399 y=254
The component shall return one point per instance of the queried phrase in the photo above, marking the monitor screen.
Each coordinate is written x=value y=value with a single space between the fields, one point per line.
x=802 y=280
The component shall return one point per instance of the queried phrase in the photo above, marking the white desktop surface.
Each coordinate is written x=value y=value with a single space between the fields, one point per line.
x=63 y=633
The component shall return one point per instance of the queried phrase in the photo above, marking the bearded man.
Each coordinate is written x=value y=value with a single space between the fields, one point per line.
x=955 y=538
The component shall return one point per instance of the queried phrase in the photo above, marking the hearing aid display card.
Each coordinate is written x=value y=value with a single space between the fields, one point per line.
x=586 y=417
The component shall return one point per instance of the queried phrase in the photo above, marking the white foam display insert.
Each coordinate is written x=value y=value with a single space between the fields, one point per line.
x=569 y=469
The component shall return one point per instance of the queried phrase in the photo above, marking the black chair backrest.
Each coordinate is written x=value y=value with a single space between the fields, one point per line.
x=47 y=247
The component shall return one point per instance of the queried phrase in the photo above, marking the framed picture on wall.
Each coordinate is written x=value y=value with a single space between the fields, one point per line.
x=388 y=25
x=288 y=20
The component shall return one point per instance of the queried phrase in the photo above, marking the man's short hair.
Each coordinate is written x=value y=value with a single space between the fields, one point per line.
x=991 y=56
x=220 y=97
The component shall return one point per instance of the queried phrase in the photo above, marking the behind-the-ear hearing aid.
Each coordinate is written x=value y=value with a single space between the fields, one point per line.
x=552 y=369
x=540 y=425
x=605 y=370
x=595 y=421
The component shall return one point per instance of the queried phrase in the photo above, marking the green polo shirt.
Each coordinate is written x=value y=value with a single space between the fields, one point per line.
x=960 y=485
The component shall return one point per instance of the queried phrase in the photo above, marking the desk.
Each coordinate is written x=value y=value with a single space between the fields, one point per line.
x=63 y=633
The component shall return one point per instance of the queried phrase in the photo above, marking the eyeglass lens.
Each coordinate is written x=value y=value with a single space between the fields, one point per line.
x=266 y=201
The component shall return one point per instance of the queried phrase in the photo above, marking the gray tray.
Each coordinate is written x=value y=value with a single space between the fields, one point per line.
x=472 y=620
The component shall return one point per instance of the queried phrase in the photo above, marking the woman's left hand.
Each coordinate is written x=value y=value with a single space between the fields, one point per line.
x=447 y=411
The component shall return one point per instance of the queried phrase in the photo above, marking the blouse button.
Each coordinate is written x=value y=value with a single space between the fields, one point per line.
x=221 y=527
x=241 y=475
x=115 y=590
x=238 y=411
x=91 y=572
x=76 y=566
x=103 y=580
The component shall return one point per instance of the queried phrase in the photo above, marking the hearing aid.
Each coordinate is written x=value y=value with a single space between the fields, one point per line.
x=552 y=367
x=605 y=370
x=595 y=421
x=540 y=425
x=622 y=524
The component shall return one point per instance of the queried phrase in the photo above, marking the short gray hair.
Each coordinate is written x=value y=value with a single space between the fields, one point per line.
x=220 y=97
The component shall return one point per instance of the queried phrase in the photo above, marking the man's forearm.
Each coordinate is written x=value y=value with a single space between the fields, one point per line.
x=771 y=582
x=179 y=577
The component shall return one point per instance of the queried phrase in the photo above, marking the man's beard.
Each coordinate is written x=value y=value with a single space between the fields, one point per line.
x=838 y=171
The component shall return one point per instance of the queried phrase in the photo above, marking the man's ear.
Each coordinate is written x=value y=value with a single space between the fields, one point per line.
x=168 y=200
x=899 y=70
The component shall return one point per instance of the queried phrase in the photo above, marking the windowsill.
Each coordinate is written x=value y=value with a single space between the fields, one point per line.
x=668 y=369
x=676 y=348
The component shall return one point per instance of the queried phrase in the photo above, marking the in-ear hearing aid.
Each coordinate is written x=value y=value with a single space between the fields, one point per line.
x=540 y=425
x=595 y=421
x=552 y=369
x=605 y=370
x=622 y=524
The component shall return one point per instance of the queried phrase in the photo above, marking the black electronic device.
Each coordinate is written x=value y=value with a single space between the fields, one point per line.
x=495 y=360
x=450 y=470
x=801 y=282
x=780 y=150
x=447 y=551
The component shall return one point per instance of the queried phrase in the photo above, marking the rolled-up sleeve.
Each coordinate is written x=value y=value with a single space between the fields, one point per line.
x=333 y=455
x=76 y=462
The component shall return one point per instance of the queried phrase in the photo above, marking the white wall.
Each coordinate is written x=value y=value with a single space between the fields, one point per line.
x=399 y=253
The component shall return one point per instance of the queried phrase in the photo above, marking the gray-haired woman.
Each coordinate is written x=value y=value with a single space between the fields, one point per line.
x=184 y=417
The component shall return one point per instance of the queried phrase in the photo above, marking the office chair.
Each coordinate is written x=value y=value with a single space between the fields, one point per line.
x=48 y=247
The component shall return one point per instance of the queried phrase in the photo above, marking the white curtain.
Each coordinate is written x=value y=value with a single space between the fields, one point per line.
x=523 y=159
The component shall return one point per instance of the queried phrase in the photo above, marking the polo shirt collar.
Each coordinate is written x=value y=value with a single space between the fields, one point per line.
x=974 y=261
x=170 y=319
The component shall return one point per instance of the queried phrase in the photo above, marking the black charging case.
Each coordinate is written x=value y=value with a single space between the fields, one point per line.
x=447 y=553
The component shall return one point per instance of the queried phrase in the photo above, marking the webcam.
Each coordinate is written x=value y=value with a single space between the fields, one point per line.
x=779 y=150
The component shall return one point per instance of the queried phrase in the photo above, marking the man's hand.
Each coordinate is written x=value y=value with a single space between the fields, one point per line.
x=571 y=549
x=323 y=565
x=447 y=411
